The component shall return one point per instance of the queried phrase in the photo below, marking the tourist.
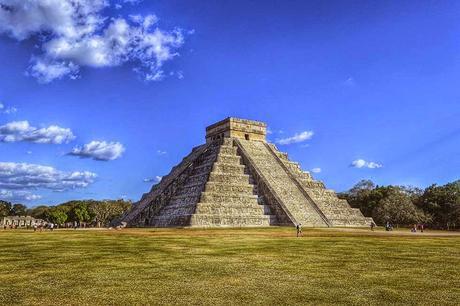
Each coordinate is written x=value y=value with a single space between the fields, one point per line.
x=299 y=229
x=51 y=226
x=421 y=227
x=372 y=225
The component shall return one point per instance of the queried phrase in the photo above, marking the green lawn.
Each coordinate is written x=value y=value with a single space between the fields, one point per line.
x=228 y=266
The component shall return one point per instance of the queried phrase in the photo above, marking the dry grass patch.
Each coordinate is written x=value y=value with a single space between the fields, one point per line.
x=228 y=267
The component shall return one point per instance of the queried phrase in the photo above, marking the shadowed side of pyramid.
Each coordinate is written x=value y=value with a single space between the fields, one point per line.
x=238 y=179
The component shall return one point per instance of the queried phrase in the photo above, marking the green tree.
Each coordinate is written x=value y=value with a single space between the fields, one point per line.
x=386 y=203
x=81 y=213
x=396 y=207
x=443 y=204
x=5 y=208
x=108 y=210
x=18 y=210
x=39 y=212
x=365 y=195
x=56 y=215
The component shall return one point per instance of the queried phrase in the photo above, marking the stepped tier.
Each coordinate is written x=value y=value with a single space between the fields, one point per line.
x=238 y=179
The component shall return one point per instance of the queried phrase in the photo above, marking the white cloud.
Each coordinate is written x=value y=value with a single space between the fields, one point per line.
x=46 y=71
x=132 y=1
x=7 y=110
x=361 y=163
x=23 y=176
x=316 y=170
x=350 y=81
x=22 y=131
x=16 y=196
x=10 y=110
x=160 y=152
x=99 y=150
x=120 y=3
x=156 y=179
x=75 y=33
x=299 y=137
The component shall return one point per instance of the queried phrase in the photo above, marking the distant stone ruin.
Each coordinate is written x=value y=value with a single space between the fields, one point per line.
x=20 y=221
x=238 y=179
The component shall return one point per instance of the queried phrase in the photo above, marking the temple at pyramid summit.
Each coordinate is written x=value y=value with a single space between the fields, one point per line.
x=239 y=179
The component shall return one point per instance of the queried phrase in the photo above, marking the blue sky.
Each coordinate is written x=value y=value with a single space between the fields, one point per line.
x=373 y=87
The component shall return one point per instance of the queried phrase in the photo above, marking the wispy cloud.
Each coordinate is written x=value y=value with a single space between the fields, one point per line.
x=316 y=170
x=119 y=3
x=78 y=33
x=18 y=195
x=361 y=163
x=18 y=179
x=156 y=179
x=133 y=2
x=99 y=150
x=161 y=152
x=297 y=138
x=350 y=81
x=22 y=131
x=7 y=110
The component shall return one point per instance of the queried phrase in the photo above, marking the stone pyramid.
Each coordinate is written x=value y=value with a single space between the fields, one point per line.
x=238 y=179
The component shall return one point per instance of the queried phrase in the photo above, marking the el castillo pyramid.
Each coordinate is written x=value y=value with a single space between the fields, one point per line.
x=239 y=179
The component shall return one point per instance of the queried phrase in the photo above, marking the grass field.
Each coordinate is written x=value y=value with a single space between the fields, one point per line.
x=228 y=267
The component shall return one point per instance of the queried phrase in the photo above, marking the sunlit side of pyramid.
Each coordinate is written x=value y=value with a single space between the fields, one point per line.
x=238 y=179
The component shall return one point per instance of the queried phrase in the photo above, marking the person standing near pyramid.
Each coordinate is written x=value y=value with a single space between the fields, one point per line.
x=299 y=229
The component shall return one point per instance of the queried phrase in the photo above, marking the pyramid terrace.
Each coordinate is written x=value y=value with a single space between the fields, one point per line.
x=239 y=179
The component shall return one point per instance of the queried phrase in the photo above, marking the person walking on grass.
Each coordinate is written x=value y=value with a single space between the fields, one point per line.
x=299 y=229
x=372 y=225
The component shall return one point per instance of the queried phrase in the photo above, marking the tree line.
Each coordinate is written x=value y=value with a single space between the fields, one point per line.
x=435 y=206
x=99 y=213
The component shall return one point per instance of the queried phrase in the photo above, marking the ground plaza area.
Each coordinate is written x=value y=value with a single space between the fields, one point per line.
x=254 y=266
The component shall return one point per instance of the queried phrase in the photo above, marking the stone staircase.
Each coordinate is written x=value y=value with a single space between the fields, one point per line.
x=337 y=211
x=287 y=191
x=217 y=193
